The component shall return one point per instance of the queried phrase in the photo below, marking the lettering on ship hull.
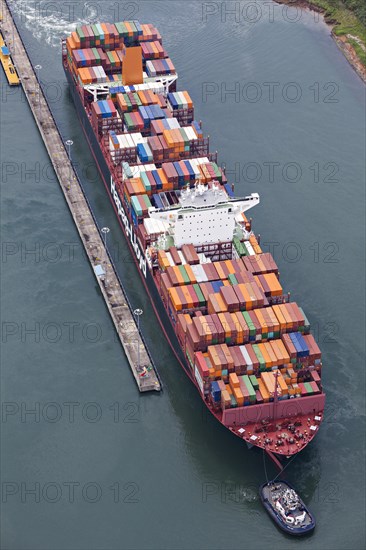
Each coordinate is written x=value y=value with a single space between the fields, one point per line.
x=130 y=233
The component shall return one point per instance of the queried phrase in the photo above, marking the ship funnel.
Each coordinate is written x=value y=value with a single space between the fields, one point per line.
x=132 y=66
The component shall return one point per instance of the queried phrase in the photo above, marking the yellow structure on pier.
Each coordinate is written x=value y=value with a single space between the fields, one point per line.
x=7 y=63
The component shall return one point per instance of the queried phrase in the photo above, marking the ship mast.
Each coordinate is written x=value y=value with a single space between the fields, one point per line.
x=275 y=396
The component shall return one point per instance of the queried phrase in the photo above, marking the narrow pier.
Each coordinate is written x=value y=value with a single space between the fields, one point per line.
x=7 y=62
x=115 y=298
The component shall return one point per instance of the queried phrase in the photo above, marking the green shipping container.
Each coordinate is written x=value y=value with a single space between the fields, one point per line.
x=250 y=388
x=122 y=29
x=233 y=280
x=97 y=56
x=145 y=181
x=146 y=201
x=184 y=136
x=262 y=363
x=249 y=322
x=306 y=323
x=111 y=58
x=136 y=206
x=80 y=34
x=96 y=32
x=233 y=401
x=137 y=99
x=200 y=296
x=216 y=170
x=254 y=381
x=308 y=387
x=184 y=274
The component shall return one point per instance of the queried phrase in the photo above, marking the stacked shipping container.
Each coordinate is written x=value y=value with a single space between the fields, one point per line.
x=243 y=338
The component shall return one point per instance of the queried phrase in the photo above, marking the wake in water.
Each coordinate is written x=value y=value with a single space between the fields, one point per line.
x=50 y=21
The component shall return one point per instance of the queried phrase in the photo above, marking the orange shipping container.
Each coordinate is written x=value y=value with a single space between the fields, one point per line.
x=175 y=299
x=274 y=284
x=192 y=278
x=283 y=350
x=221 y=302
x=220 y=271
x=261 y=265
x=228 y=356
x=163 y=177
x=188 y=297
x=178 y=275
x=269 y=382
x=214 y=357
x=271 y=354
x=225 y=325
x=282 y=384
x=275 y=322
x=266 y=355
x=238 y=396
x=277 y=352
x=244 y=291
x=239 y=328
x=263 y=390
x=142 y=97
x=122 y=103
x=234 y=380
x=212 y=305
x=277 y=311
x=262 y=321
x=163 y=260
x=228 y=389
x=230 y=266
x=288 y=316
x=188 y=99
x=225 y=399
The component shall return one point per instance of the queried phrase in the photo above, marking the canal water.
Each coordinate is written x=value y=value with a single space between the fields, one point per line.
x=88 y=463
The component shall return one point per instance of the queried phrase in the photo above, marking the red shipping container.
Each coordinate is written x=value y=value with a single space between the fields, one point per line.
x=230 y=298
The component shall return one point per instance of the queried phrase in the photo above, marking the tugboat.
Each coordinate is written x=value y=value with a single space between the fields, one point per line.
x=286 y=508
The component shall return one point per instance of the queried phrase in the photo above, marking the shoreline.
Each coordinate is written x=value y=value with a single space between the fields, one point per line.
x=342 y=41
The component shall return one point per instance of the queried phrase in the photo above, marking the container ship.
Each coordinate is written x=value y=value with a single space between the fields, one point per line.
x=242 y=341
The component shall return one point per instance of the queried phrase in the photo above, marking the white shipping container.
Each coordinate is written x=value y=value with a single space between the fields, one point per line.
x=199 y=273
x=249 y=248
x=130 y=141
x=122 y=141
x=102 y=74
x=183 y=100
x=182 y=257
x=170 y=259
x=194 y=163
x=149 y=167
x=190 y=133
x=150 y=68
x=138 y=138
x=246 y=356
x=173 y=123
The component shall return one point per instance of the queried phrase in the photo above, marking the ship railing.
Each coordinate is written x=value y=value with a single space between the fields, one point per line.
x=92 y=213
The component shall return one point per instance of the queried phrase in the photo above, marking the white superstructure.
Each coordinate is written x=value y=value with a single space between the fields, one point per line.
x=204 y=215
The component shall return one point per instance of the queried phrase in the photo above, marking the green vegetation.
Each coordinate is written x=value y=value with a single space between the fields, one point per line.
x=349 y=18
